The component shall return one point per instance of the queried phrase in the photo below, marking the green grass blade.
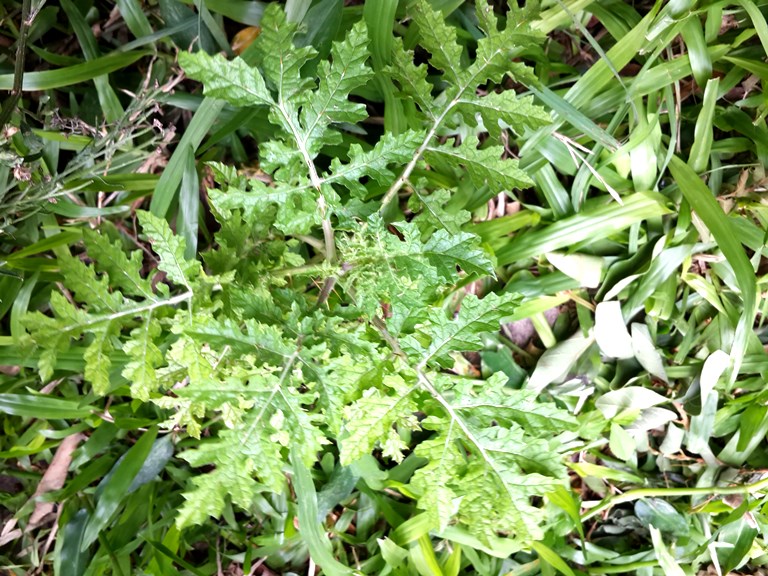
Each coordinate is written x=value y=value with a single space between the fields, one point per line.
x=593 y=223
x=158 y=35
x=595 y=80
x=72 y=210
x=706 y=207
x=165 y=551
x=170 y=181
x=117 y=486
x=134 y=17
x=110 y=104
x=72 y=561
x=701 y=62
x=318 y=544
x=601 y=74
x=554 y=192
x=756 y=67
x=42 y=407
x=65 y=238
x=575 y=118
x=215 y=30
x=698 y=159
x=21 y=304
x=189 y=206
x=560 y=15
x=246 y=12
x=758 y=21
x=51 y=79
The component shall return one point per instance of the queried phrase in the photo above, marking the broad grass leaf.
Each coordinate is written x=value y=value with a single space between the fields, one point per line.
x=652 y=418
x=589 y=470
x=673 y=440
x=154 y=464
x=117 y=487
x=43 y=407
x=565 y=500
x=69 y=75
x=586 y=269
x=546 y=554
x=393 y=554
x=749 y=424
x=596 y=221
x=661 y=514
x=72 y=559
x=714 y=367
x=737 y=538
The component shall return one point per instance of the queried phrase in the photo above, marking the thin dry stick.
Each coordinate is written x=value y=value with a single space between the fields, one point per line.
x=27 y=17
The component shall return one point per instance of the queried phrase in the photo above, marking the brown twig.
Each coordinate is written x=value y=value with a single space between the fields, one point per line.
x=27 y=16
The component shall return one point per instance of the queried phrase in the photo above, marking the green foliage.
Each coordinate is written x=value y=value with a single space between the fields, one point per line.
x=251 y=345
x=316 y=337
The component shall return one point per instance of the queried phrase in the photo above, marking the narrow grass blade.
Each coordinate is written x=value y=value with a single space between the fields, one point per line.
x=701 y=62
x=42 y=407
x=703 y=203
x=21 y=304
x=758 y=21
x=756 y=67
x=72 y=210
x=158 y=35
x=423 y=558
x=698 y=159
x=71 y=560
x=134 y=17
x=595 y=79
x=318 y=544
x=110 y=104
x=552 y=558
x=117 y=486
x=189 y=206
x=560 y=15
x=165 y=551
x=244 y=11
x=170 y=181
x=593 y=223
x=51 y=79
x=554 y=192
x=575 y=118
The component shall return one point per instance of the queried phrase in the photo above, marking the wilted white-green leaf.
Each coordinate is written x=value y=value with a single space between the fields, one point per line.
x=652 y=418
x=611 y=332
x=555 y=364
x=645 y=351
x=714 y=366
x=631 y=397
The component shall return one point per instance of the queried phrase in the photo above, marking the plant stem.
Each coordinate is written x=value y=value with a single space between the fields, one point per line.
x=638 y=493
x=406 y=173
x=18 y=72
x=622 y=568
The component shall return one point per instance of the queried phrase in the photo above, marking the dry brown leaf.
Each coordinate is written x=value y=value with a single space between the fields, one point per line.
x=54 y=477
